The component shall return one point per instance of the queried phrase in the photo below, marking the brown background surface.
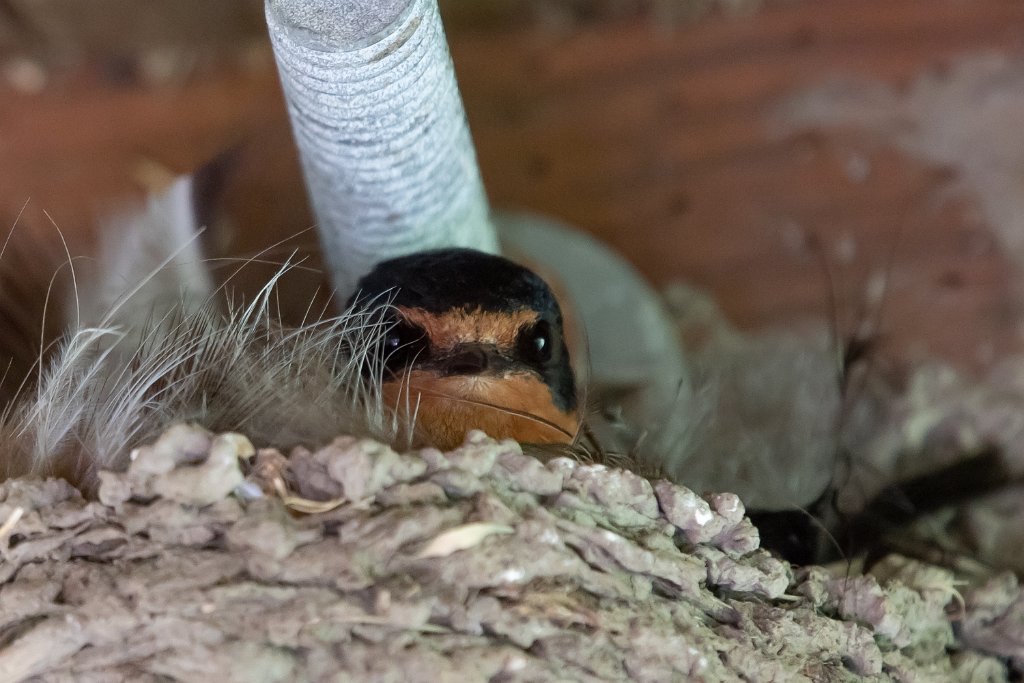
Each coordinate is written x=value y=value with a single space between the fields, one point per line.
x=651 y=128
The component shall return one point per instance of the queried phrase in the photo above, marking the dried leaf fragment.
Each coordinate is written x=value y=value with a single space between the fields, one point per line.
x=461 y=538
x=305 y=505
x=12 y=520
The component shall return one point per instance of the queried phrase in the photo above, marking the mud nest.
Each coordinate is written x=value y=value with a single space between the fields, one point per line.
x=209 y=560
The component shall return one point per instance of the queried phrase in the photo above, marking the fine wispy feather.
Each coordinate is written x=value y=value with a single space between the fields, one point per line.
x=148 y=340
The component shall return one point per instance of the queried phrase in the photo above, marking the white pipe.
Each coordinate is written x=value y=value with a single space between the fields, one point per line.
x=378 y=120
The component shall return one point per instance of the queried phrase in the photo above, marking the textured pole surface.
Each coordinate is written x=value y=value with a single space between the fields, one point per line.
x=381 y=131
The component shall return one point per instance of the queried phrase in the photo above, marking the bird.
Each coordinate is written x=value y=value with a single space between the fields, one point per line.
x=473 y=341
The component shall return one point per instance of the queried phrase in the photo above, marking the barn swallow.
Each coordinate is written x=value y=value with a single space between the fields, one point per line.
x=474 y=341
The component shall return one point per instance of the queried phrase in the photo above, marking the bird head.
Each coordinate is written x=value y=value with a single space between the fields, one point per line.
x=473 y=341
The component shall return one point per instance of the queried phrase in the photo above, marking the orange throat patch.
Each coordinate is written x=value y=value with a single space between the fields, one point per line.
x=517 y=406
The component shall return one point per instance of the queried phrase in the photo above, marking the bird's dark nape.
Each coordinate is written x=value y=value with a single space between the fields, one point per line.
x=439 y=280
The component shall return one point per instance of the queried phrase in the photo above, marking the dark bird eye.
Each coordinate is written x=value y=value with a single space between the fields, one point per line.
x=403 y=344
x=536 y=343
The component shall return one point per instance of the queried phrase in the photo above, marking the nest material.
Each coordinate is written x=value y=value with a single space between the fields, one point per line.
x=479 y=564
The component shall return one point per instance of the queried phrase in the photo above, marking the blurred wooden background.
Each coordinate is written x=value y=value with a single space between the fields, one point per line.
x=660 y=127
